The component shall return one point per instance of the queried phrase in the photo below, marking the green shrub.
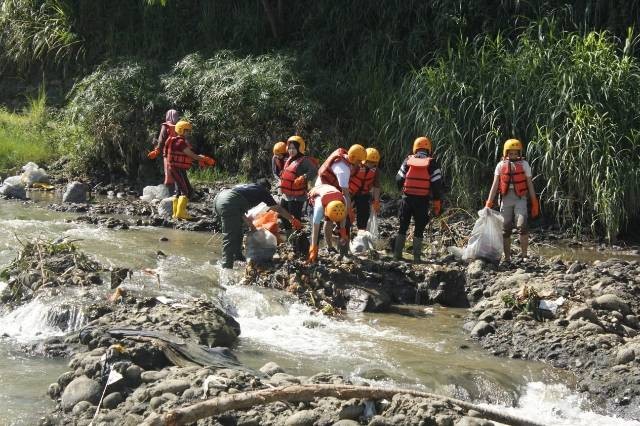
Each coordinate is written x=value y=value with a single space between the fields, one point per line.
x=241 y=105
x=570 y=98
x=116 y=105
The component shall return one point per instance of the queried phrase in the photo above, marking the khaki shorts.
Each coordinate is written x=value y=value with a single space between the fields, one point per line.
x=514 y=207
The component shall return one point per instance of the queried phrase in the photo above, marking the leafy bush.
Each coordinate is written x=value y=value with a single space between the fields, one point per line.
x=115 y=105
x=241 y=105
x=570 y=98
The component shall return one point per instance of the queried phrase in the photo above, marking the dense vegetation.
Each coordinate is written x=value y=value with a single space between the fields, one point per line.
x=562 y=76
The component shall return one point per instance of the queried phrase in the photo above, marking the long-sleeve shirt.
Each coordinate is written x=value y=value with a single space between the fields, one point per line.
x=437 y=187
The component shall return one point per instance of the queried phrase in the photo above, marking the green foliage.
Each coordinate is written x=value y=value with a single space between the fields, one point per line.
x=567 y=96
x=115 y=104
x=241 y=105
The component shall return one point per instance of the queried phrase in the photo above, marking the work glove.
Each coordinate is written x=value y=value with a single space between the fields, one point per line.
x=296 y=224
x=437 y=207
x=152 y=155
x=313 y=254
x=206 y=162
x=535 y=207
x=489 y=204
x=299 y=182
x=375 y=205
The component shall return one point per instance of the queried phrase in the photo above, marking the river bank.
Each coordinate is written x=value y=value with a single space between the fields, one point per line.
x=379 y=284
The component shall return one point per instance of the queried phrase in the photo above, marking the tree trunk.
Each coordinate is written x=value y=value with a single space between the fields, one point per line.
x=274 y=20
x=240 y=401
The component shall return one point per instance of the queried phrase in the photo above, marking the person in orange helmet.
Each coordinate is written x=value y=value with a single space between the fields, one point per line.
x=420 y=180
x=277 y=161
x=512 y=179
x=329 y=206
x=364 y=186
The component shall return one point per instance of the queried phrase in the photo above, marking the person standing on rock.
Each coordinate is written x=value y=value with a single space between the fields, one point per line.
x=420 y=180
x=364 y=184
x=512 y=179
x=167 y=130
x=297 y=171
x=177 y=150
x=329 y=205
x=231 y=206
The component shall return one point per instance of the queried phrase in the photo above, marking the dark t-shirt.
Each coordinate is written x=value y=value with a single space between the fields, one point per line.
x=255 y=194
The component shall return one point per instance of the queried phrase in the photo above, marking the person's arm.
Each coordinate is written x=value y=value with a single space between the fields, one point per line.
x=191 y=154
x=310 y=171
x=162 y=137
x=493 y=192
x=402 y=171
x=274 y=169
x=535 y=205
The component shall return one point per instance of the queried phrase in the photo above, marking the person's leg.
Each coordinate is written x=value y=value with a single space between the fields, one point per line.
x=507 y=208
x=404 y=214
x=520 y=212
x=328 y=234
x=231 y=218
x=421 y=218
x=363 y=210
x=285 y=204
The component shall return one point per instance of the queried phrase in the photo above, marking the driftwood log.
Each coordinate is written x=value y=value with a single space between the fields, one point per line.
x=240 y=401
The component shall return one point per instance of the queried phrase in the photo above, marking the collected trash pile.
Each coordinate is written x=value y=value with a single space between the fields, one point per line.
x=32 y=176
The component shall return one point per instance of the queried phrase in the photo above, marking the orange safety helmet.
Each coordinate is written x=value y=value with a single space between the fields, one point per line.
x=356 y=154
x=182 y=126
x=512 y=144
x=280 y=148
x=373 y=155
x=422 y=142
x=336 y=211
x=298 y=139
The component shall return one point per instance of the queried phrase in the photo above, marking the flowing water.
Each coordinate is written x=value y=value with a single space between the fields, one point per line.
x=429 y=352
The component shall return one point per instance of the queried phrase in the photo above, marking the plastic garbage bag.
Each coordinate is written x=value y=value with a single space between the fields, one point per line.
x=32 y=174
x=261 y=246
x=13 y=181
x=372 y=226
x=362 y=242
x=486 y=237
x=154 y=192
x=165 y=207
x=257 y=211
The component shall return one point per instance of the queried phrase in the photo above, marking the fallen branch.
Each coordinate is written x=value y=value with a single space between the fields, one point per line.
x=240 y=401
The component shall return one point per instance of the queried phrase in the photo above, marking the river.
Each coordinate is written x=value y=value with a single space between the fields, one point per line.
x=429 y=351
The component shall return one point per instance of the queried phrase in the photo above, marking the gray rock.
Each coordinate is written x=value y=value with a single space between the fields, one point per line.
x=302 y=418
x=475 y=269
x=444 y=420
x=54 y=390
x=379 y=420
x=351 y=409
x=271 y=368
x=76 y=192
x=174 y=386
x=279 y=379
x=81 y=407
x=13 y=191
x=152 y=376
x=369 y=300
x=165 y=207
x=582 y=311
x=575 y=267
x=133 y=420
x=346 y=423
x=482 y=328
x=112 y=400
x=133 y=375
x=632 y=321
x=487 y=316
x=156 y=402
x=472 y=421
x=81 y=389
x=625 y=355
x=610 y=302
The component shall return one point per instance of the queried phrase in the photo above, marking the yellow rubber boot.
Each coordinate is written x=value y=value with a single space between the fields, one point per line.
x=182 y=208
x=175 y=207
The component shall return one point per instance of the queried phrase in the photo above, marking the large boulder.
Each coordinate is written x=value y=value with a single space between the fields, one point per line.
x=76 y=192
x=81 y=389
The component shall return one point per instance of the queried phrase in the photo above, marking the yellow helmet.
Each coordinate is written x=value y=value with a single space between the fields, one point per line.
x=357 y=154
x=181 y=126
x=335 y=211
x=280 y=148
x=373 y=155
x=422 y=142
x=298 y=139
x=512 y=144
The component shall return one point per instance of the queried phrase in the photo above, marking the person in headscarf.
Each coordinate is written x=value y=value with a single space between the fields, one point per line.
x=167 y=129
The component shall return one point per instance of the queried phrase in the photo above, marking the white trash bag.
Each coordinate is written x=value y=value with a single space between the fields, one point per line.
x=154 y=192
x=33 y=174
x=362 y=243
x=372 y=226
x=261 y=246
x=486 y=237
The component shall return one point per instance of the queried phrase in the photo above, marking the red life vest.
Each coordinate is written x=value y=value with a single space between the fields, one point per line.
x=327 y=193
x=513 y=176
x=288 y=176
x=177 y=159
x=280 y=162
x=417 y=181
x=362 y=181
x=326 y=174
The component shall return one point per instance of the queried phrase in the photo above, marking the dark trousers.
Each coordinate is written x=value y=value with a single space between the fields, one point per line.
x=294 y=207
x=231 y=208
x=416 y=207
x=183 y=186
x=362 y=203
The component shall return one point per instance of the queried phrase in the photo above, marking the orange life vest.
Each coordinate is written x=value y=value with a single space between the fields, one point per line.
x=417 y=181
x=362 y=181
x=513 y=176
x=326 y=174
x=177 y=159
x=288 y=176
x=280 y=163
x=327 y=193
x=171 y=133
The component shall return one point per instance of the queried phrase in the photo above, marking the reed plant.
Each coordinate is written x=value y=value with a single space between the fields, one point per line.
x=571 y=98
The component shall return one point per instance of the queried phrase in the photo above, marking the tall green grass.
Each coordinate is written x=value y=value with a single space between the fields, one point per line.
x=573 y=99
